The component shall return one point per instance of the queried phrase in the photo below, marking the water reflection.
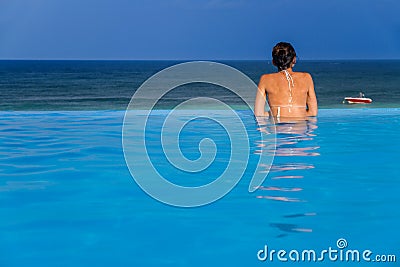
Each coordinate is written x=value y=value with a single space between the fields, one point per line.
x=294 y=149
x=289 y=227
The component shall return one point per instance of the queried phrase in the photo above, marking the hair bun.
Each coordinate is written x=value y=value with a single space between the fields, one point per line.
x=283 y=55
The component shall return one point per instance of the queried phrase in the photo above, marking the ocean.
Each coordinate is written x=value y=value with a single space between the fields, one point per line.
x=109 y=85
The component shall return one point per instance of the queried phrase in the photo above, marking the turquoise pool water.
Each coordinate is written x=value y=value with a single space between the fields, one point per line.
x=68 y=199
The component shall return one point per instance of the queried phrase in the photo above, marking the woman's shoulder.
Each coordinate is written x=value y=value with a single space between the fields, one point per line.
x=267 y=76
x=304 y=75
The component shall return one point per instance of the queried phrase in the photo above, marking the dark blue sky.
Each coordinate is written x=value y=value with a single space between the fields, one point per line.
x=198 y=29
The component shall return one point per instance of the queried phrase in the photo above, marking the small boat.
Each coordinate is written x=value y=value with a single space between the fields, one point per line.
x=357 y=100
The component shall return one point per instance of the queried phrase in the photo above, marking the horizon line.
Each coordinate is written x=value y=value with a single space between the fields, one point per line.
x=188 y=59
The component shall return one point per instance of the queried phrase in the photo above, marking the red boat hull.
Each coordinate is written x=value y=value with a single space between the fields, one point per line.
x=358 y=100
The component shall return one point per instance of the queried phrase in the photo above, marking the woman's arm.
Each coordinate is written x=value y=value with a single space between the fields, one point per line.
x=312 y=104
x=261 y=96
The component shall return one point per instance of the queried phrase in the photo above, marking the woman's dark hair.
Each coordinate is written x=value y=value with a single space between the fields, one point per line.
x=283 y=55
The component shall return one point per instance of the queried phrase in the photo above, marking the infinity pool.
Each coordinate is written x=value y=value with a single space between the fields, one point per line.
x=67 y=197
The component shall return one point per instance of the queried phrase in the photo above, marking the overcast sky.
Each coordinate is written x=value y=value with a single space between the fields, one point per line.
x=196 y=29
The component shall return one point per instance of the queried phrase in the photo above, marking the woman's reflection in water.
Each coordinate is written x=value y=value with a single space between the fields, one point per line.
x=294 y=147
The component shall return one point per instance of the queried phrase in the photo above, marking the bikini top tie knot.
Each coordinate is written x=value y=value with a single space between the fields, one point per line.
x=289 y=78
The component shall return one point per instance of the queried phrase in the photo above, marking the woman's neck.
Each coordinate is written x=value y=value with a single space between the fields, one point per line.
x=290 y=70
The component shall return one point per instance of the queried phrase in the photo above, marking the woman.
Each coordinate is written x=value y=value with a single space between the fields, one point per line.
x=290 y=94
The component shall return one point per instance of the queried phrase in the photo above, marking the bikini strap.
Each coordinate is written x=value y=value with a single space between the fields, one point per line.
x=289 y=78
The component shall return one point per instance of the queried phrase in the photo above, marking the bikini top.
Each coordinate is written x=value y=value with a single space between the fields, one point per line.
x=289 y=78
